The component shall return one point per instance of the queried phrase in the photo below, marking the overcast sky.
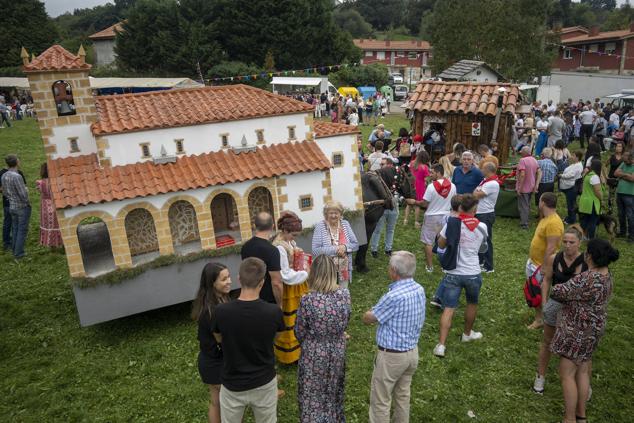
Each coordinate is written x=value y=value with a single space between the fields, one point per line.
x=58 y=7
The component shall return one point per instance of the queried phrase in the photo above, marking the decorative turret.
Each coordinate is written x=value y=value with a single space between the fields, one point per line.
x=25 y=56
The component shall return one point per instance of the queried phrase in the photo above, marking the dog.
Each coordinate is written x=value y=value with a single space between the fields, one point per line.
x=609 y=223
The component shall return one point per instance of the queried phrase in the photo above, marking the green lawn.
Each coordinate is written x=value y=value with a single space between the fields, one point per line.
x=143 y=368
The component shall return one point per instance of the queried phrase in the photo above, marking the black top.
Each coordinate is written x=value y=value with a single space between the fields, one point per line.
x=264 y=250
x=248 y=329
x=614 y=165
x=561 y=272
x=208 y=345
x=5 y=200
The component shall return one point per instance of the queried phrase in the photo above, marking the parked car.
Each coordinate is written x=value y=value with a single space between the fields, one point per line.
x=396 y=78
x=400 y=92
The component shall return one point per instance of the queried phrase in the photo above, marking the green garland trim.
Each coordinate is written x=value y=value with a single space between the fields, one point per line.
x=118 y=276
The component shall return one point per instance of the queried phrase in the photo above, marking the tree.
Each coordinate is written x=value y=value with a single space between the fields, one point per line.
x=351 y=21
x=601 y=4
x=231 y=70
x=416 y=10
x=515 y=45
x=269 y=61
x=26 y=24
x=375 y=75
x=382 y=14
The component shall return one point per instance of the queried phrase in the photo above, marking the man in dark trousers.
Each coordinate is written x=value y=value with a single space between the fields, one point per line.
x=246 y=329
x=259 y=246
x=7 y=223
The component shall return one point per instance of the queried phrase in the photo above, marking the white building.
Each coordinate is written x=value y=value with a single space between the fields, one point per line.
x=470 y=70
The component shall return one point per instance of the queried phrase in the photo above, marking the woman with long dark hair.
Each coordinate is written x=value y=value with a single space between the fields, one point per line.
x=215 y=285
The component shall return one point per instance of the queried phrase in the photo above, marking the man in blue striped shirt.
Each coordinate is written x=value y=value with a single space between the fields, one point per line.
x=400 y=314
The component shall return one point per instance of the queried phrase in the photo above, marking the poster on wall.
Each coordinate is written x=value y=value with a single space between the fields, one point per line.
x=475 y=129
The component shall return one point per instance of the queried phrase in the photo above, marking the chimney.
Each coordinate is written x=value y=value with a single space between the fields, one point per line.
x=594 y=31
x=25 y=56
x=82 y=54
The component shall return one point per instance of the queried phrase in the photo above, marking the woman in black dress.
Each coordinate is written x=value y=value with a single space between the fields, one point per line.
x=215 y=285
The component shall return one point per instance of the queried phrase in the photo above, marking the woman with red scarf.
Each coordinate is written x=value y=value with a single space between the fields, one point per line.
x=334 y=237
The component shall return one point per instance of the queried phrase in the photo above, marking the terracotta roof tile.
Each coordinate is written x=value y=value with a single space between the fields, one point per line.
x=193 y=106
x=330 y=129
x=108 y=33
x=455 y=97
x=55 y=58
x=411 y=45
x=606 y=35
x=69 y=176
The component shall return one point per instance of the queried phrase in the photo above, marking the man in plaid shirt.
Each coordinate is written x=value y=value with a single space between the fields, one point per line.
x=400 y=314
x=547 y=172
x=14 y=188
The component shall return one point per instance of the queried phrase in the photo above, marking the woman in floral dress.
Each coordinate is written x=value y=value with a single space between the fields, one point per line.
x=322 y=318
x=581 y=324
x=50 y=234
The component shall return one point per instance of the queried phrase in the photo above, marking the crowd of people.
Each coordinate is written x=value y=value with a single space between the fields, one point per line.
x=16 y=108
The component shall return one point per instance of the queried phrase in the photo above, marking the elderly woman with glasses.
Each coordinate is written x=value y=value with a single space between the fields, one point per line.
x=334 y=237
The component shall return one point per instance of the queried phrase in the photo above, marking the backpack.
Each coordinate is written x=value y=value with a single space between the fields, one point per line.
x=405 y=149
x=533 y=290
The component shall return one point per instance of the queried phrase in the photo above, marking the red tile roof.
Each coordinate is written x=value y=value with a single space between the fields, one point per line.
x=607 y=35
x=172 y=108
x=108 y=33
x=412 y=45
x=572 y=29
x=331 y=129
x=77 y=181
x=55 y=58
x=452 y=97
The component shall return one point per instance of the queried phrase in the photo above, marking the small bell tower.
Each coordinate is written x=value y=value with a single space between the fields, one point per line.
x=64 y=104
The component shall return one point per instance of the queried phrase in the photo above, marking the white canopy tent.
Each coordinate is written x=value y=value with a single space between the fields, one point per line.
x=102 y=83
x=21 y=83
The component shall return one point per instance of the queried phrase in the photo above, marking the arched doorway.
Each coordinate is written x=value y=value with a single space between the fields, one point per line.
x=95 y=246
x=260 y=199
x=224 y=215
x=184 y=227
x=141 y=233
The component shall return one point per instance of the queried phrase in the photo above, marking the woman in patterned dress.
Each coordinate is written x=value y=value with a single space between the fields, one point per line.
x=581 y=324
x=322 y=319
x=289 y=225
x=50 y=234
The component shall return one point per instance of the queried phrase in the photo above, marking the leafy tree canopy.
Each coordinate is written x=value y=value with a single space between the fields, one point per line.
x=375 y=74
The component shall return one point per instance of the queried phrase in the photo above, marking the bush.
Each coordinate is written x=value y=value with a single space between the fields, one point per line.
x=375 y=75
x=228 y=69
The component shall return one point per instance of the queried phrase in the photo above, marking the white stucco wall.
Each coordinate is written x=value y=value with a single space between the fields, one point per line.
x=85 y=140
x=342 y=178
x=198 y=139
x=104 y=52
x=300 y=184
x=484 y=76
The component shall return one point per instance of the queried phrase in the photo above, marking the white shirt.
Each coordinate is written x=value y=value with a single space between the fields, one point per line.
x=375 y=160
x=491 y=189
x=552 y=108
x=519 y=123
x=570 y=175
x=542 y=125
x=615 y=119
x=586 y=117
x=353 y=119
x=468 y=262
x=290 y=276
x=438 y=205
x=595 y=180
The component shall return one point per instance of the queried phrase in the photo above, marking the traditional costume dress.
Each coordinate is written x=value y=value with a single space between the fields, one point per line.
x=287 y=348
x=50 y=235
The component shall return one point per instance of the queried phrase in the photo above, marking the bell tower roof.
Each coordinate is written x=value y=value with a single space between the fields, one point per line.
x=56 y=58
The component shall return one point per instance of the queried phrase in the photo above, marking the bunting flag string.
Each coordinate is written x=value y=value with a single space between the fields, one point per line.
x=599 y=53
x=290 y=72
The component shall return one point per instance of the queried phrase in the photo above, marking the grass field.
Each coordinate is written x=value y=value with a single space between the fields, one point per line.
x=143 y=368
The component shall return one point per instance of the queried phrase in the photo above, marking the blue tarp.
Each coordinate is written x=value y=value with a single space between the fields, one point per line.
x=367 y=92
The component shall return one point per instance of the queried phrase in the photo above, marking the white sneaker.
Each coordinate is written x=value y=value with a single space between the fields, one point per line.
x=429 y=269
x=472 y=336
x=439 y=350
x=538 y=385
x=589 y=393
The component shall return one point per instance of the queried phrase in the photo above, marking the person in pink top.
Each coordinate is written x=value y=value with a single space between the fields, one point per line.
x=527 y=178
x=420 y=169
x=50 y=234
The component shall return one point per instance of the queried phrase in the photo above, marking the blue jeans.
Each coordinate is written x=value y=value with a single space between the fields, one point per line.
x=389 y=216
x=6 y=228
x=625 y=205
x=19 y=229
x=571 y=204
x=486 y=258
x=4 y=117
x=454 y=285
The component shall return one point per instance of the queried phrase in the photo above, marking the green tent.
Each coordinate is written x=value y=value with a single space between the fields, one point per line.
x=387 y=91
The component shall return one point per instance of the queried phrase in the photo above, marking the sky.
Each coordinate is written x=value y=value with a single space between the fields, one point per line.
x=58 y=7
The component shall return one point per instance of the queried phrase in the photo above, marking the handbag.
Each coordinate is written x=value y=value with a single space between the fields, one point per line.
x=533 y=290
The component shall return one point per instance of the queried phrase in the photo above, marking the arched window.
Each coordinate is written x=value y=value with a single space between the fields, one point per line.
x=95 y=246
x=184 y=227
x=260 y=200
x=141 y=233
x=224 y=214
x=63 y=95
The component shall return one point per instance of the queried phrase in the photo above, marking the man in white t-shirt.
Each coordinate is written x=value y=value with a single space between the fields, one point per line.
x=586 y=117
x=551 y=107
x=374 y=159
x=487 y=194
x=556 y=127
x=437 y=200
x=615 y=122
x=466 y=274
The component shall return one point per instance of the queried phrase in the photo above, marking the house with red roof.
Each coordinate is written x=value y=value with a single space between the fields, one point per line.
x=409 y=58
x=176 y=173
x=592 y=50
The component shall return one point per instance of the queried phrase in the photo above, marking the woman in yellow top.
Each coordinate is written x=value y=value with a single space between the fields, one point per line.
x=590 y=200
x=287 y=349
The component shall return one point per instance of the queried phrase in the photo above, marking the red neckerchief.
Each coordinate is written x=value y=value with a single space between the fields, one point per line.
x=469 y=221
x=489 y=179
x=443 y=189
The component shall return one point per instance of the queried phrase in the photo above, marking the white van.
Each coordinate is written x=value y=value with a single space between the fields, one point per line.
x=400 y=92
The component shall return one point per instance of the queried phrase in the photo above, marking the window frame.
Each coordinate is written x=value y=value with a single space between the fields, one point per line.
x=412 y=55
x=593 y=48
x=380 y=55
x=144 y=146
x=567 y=54
x=224 y=140
x=179 y=145
x=292 y=135
x=610 y=50
x=74 y=144
x=369 y=53
x=337 y=154
x=259 y=136
x=302 y=198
